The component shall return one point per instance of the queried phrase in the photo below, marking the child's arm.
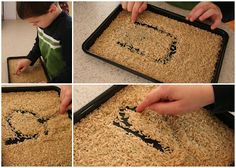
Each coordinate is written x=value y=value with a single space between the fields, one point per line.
x=224 y=98
x=204 y=11
x=33 y=55
x=35 y=52
x=227 y=10
x=66 y=99
x=173 y=99
x=135 y=7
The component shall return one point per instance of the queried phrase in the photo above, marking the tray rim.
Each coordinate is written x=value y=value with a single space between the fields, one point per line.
x=96 y=102
x=35 y=88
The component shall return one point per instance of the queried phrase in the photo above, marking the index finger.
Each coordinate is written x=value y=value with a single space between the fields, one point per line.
x=65 y=103
x=19 y=70
x=154 y=96
x=135 y=11
x=200 y=7
x=62 y=94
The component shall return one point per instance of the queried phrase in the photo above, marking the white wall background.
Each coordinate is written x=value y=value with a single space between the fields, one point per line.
x=10 y=11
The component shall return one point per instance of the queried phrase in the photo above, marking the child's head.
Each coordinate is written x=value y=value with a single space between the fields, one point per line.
x=40 y=14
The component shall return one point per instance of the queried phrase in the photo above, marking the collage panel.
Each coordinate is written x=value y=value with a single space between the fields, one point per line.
x=37 y=42
x=152 y=83
x=36 y=126
x=154 y=125
x=160 y=45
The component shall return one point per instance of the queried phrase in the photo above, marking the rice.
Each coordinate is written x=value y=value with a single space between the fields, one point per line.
x=33 y=74
x=33 y=133
x=159 y=47
x=196 y=138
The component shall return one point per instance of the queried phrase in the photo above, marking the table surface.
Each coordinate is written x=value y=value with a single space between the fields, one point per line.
x=89 y=15
x=83 y=94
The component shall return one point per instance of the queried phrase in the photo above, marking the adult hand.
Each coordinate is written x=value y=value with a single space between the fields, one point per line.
x=135 y=7
x=206 y=10
x=173 y=99
x=66 y=99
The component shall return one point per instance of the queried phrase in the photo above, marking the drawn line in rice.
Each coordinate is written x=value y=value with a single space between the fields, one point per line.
x=167 y=57
x=21 y=137
x=124 y=119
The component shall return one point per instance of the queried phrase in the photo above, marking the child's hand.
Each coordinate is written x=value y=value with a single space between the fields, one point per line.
x=173 y=100
x=66 y=99
x=135 y=7
x=22 y=65
x=206 y=10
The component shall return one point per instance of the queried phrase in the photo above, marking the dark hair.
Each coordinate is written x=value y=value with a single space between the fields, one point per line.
x=31 y=9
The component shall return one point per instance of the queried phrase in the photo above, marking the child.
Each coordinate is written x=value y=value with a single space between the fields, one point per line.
x=201 y=11
x=53 y=41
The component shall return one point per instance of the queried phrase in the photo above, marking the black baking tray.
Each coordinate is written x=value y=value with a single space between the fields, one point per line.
x=22 y=57
x=34 y=89
x=225 y=117
x=92 y=38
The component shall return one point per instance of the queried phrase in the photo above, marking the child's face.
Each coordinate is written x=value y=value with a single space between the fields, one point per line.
x=42 y=21
x=45 y=20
